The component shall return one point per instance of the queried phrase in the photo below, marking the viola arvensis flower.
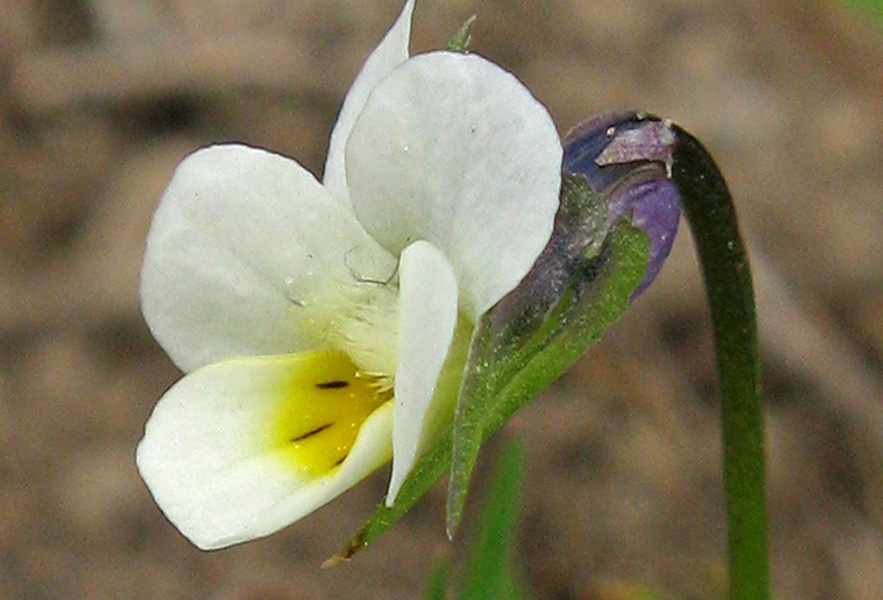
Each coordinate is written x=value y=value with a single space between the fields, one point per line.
x=323 y=327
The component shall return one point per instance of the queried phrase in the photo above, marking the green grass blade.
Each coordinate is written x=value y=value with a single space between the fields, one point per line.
x=490 y=572
x=439 y=581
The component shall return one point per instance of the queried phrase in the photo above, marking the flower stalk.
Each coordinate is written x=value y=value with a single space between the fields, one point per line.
x=712 y=217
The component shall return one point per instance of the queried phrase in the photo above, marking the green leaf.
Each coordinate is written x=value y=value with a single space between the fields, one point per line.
x=490 y=572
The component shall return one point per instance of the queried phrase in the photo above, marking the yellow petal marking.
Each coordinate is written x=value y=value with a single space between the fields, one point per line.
x=326 y=400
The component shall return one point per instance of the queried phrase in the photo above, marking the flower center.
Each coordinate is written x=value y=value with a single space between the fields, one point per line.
x=326 y=403
x=360 y=319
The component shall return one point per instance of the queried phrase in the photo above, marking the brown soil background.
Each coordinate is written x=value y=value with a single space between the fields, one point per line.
x=101 y=98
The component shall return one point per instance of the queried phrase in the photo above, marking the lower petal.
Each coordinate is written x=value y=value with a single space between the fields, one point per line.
x=242 y=448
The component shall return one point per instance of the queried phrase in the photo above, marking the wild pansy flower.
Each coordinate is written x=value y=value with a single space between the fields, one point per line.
x=323 y=327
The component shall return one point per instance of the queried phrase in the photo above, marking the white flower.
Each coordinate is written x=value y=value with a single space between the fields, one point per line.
x=323 y=327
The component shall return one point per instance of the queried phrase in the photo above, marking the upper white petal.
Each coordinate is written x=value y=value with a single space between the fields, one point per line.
x=452 y=149
x=206 y=460
x=427 y=319
x=390 y=53
x=241 y=238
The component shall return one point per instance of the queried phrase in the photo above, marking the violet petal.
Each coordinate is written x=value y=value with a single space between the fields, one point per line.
x=626 y=156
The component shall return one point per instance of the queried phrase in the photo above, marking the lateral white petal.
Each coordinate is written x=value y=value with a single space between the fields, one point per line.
x=427 y=319
x=452 y=149
x=390 y=53
x=241 y=238
x=209 y=459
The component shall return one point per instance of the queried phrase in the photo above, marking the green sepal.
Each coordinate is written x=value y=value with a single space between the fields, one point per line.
x=523 y=344
x=462 y=38
x=499 y=389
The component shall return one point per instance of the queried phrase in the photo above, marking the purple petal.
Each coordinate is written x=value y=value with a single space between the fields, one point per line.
x=626 y=156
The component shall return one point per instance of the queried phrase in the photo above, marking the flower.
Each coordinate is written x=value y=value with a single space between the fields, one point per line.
x=323 y=327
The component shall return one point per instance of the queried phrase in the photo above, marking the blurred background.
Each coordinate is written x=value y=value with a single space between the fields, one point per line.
x=99 y=100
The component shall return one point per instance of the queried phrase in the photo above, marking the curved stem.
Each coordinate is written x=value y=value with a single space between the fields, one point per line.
x=712 y=217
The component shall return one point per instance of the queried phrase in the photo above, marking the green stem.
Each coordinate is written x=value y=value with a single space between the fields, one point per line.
x=712 y=217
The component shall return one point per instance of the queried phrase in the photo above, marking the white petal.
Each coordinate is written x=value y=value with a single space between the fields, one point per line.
x=214 y=467
x=454 y=150
x=241 y=238
x=427 y=318
x=390 y=53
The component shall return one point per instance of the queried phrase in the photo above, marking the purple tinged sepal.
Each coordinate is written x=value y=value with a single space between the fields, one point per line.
x=580 y=285
x=626 y=157
x=616 y=221
x=617 y=217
